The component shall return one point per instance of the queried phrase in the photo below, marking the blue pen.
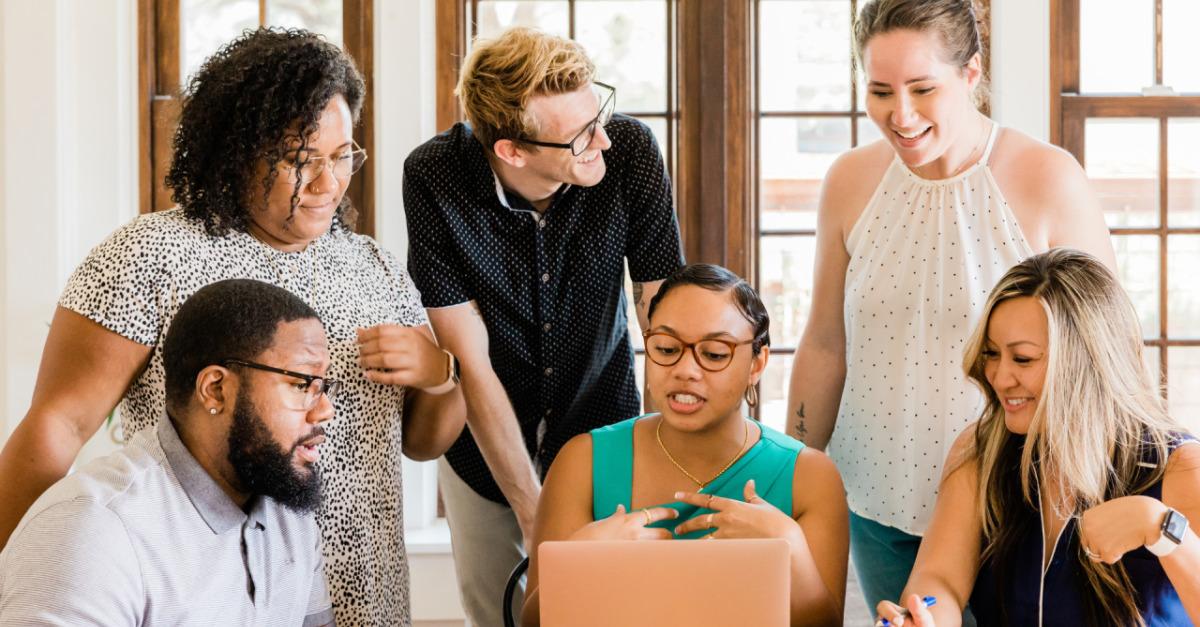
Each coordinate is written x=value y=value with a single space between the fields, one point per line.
x=928 y=601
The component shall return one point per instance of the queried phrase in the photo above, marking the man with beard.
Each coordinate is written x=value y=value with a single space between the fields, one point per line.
x=206 y=519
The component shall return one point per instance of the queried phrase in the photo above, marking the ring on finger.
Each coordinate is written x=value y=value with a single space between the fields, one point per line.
x=708 y=521
x=708 y=503
x=649 y=518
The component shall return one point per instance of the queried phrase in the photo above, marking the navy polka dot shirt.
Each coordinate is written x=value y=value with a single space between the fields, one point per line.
x=549 y=286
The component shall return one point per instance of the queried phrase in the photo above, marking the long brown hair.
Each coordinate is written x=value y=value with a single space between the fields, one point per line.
x=1098 y=417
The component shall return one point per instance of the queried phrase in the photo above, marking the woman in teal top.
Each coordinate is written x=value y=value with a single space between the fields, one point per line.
x=699 y=468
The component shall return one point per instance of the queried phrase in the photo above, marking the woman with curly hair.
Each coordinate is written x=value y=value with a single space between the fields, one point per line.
x=262 y=159
x=1067 y=502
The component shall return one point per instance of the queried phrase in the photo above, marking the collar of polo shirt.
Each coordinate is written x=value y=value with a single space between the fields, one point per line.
x=215 y=507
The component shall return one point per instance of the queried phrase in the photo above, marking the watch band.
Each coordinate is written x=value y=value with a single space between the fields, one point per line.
x=1173 y=527
x=451 y=376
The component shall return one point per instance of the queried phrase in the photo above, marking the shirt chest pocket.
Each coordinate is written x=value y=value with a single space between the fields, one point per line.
x=284 y=593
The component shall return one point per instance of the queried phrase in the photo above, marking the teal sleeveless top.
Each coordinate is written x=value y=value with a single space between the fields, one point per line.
x=771 y=463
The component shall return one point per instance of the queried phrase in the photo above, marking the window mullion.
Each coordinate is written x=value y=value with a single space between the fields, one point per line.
x=1158 y=42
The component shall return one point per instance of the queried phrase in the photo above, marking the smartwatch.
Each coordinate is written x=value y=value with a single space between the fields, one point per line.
x=451 y=376
x=1174 y=526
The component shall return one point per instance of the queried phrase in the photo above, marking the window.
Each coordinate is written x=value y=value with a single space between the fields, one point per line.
x=1131 y=115
x=175 y=36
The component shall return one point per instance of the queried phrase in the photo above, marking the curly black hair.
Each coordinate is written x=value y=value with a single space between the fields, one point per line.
x=230 y=319
x=238 y=108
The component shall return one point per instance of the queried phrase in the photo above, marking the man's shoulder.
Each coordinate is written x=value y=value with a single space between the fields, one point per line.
x=106 y=481
x=443 y=150
x=629 y=136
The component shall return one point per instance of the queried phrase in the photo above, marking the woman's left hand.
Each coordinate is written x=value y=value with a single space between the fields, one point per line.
x=1111 y=529
x=752 y=518
x=400 y=355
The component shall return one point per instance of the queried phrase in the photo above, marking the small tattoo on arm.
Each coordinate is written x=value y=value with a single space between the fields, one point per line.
x=801 y=429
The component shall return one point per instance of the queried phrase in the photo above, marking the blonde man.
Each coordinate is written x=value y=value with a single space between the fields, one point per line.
x=520 y=225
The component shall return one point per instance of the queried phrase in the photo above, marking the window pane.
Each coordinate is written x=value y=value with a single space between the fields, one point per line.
x=1150 y=356
x=1183 y=395
x=1181 y=47
x=1116 y=45
x=785 y=277
x=659 y=127
x=206 y=25
x=318 y=16
x=772 y=391
x=1122 y=161
x=628 y=42
x=804 y=55
x=868 y=131
x=794 y=155
x=1183 y=172
x=495 y=17
x=1137 y=267
x=1183 y=290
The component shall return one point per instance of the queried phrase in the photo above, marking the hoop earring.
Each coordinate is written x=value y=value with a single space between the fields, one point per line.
x=751 y=396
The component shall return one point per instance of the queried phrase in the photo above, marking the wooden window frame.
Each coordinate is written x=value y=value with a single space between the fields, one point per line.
x=158 y=99
x=1069 y=112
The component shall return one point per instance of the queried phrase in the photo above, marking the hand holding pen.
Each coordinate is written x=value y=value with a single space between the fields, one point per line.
x=892 y=615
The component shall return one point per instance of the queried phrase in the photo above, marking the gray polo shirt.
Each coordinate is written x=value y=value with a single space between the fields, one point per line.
x=146 y=537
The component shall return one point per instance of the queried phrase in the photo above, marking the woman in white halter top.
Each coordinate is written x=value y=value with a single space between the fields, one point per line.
x=913 y=232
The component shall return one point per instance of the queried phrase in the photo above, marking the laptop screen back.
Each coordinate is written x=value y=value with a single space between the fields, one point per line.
x=668 y=582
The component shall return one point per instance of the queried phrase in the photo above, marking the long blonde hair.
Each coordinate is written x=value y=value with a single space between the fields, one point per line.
x=1099 y=414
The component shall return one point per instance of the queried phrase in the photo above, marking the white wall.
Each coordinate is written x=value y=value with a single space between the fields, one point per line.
x=4 y=428
x=67 y=131
x=1021 y=65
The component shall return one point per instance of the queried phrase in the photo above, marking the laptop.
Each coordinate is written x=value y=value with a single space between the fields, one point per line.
x=657 y=583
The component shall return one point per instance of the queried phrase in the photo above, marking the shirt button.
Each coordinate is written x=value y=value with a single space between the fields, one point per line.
x=546 y=277
x=546 y=327
x=547 y=413
x=542 y=223
x=548 y=371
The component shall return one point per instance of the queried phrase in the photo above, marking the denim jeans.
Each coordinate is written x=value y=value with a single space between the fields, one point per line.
x=883 y=559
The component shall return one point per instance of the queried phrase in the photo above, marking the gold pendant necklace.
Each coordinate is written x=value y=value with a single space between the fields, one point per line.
x=702 y=484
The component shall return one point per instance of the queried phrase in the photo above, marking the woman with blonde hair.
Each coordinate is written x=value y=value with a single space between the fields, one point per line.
x=1067 y=502
x=912 y=232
